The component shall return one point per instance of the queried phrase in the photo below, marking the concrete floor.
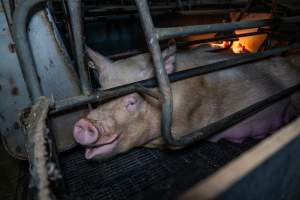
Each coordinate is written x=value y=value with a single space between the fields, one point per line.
x=10 y=172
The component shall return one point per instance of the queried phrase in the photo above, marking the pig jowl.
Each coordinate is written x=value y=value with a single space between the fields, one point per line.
x=134 y=120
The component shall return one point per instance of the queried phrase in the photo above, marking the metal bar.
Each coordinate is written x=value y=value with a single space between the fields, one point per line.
x=109 y=94
x=42 y=153
x=66 y=16
x=76 y=23
x=244 y=10
x=20 y=21
x=143 y=90
x=132 y=8
x=187 y=43
x=100 y=96
x=161 y=74
x=35 y=126
x=126 y=54
x=228 y=37
x=108 y=12
x=167 y=33
x=235 y=118
x=205 y=12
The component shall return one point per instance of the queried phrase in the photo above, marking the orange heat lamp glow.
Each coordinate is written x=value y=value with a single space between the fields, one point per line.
x=222 y=45
x=240 y=48
x=249 y=44
x=197 y=37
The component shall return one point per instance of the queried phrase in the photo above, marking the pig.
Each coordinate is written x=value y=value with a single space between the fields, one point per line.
x=135 y=120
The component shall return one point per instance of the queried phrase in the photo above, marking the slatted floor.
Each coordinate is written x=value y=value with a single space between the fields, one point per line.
x=146 y=173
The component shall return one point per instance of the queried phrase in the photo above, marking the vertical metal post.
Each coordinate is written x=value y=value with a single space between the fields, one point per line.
x=77 y=31
x=20 y=21
x=35 y=126
x=161 y=74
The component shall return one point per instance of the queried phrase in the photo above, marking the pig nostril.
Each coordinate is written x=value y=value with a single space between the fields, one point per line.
x=85 y=132
x=78 y=129
x=91 y=132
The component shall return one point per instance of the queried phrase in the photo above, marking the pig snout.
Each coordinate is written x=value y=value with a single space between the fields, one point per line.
x=85 y=132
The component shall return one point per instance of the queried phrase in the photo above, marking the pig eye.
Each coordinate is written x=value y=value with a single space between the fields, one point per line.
x=131 y=103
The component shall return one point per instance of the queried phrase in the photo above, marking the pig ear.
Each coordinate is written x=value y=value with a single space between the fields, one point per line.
x=169 y=57
x=99 y=60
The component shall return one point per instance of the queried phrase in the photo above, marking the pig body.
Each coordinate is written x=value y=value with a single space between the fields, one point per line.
x=134 y=120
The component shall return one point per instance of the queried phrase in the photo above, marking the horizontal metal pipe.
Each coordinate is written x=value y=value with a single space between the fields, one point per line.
x=123 y=55
x=109 y=94
x=233 y=119
x=205 y=12
x=20 y=21
x=228 y=37
x=187 y=43
x=172 y=5
x=172 y=32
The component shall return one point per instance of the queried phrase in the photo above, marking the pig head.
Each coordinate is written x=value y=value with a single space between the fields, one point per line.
x=130 y=121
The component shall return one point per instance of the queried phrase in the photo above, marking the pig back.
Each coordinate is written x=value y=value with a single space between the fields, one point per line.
x=205 y=99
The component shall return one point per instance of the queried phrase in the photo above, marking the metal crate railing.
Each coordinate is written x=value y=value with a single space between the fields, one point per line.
x=162 y=80
x=153 y=35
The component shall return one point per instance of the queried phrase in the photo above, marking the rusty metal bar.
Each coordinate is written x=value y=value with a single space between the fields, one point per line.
x=77 y=30
x=112 y=93
x=161 y=74
x=42 y=153
x=172 y=32
x=35 y=128
x=20 y=21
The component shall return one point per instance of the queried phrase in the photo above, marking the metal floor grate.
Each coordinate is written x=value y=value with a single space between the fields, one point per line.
x=146 y=173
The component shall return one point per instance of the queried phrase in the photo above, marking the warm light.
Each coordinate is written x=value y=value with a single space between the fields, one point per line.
x=238 y=47
x=196 y=37
x=245 y=44
x=220 y=45
x=248 y=44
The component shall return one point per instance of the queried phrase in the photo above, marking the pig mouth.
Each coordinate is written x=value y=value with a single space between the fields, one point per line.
x=103 y=148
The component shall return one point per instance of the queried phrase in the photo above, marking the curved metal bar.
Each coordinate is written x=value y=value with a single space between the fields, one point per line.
x=20 y=21
x=161 y=74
